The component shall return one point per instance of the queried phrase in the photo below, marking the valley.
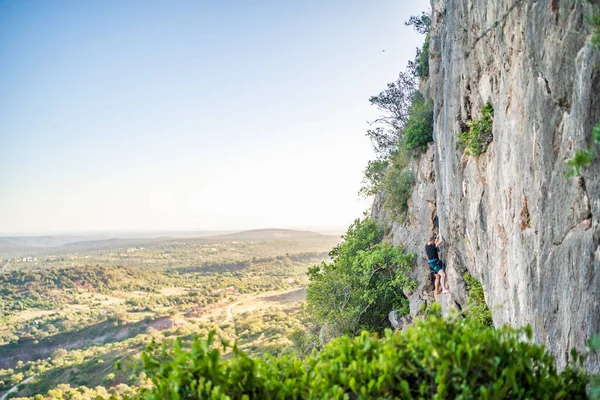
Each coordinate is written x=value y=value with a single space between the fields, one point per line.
x=71 y=313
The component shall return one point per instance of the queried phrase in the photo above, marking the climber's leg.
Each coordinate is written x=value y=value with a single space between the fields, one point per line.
x=437 y=284
x=443 y=279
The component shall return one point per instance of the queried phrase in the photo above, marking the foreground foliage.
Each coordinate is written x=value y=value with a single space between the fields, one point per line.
x=435 y=358
x=364 y=281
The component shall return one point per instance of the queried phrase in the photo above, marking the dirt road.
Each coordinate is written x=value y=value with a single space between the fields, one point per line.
x=16 y=387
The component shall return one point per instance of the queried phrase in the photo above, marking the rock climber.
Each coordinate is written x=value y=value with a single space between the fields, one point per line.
x=435 y=264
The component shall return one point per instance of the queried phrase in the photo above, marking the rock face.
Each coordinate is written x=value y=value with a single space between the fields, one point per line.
x=414 y=233
x=509 y=216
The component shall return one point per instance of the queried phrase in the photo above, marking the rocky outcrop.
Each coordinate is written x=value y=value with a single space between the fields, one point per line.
x=509 y=216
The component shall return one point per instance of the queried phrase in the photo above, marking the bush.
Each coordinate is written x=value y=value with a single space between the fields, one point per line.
x=362 y=284
x=476 y=309
x=436 y=358
x=479 y=135
x=581 y=159
x=418 y=131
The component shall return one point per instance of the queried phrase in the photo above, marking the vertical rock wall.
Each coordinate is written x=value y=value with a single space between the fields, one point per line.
x=509 y=216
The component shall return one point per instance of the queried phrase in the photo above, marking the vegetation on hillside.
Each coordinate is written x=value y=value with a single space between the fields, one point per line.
x=95 y=309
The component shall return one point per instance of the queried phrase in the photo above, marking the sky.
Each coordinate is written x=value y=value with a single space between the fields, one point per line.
x=191 y=115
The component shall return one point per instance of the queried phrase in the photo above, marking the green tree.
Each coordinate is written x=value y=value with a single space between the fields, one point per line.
x=420 y=23
x=364 y=282
x=394 y=103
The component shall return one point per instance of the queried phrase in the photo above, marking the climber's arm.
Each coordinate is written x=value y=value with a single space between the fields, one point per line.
x=439 y=242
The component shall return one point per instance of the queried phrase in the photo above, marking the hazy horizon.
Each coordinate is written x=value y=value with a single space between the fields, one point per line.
x=145 y=116
x=325 y=230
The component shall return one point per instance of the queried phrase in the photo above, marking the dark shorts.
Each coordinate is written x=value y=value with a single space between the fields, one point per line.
x=437 y=267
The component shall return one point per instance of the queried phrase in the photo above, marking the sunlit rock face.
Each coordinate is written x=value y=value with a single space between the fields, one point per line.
x=509 y=216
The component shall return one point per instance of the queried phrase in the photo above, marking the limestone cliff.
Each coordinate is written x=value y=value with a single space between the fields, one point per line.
x=509 y=216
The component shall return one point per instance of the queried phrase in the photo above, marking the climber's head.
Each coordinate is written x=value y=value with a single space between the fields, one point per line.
x=432 y=239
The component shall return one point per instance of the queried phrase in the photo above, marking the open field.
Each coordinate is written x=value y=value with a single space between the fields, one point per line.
x=279 y=299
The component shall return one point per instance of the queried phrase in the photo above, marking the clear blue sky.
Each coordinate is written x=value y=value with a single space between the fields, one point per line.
x=162 y=115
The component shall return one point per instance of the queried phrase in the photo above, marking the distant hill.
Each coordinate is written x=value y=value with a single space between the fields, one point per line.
x=264 y=234
x=21 y=246
x=24 y=245
x=33 y=245
x=30 y=246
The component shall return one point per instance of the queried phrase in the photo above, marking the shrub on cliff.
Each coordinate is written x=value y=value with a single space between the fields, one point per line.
x=364 y=282
x=583 y=157
x=479 y=135
x=435 y=358
x=475 y=308
x=418 y=131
